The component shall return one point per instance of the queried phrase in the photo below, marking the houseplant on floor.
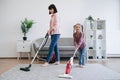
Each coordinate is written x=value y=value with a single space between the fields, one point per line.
x=25 y=26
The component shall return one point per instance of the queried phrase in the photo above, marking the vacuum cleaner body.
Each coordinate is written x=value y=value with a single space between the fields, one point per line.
x=68 y=67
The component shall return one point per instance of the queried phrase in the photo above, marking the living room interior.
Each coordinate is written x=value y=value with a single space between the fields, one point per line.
x=101 y=36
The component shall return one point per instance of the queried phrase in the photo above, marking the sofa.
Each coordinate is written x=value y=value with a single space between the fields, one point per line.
x=65 y=46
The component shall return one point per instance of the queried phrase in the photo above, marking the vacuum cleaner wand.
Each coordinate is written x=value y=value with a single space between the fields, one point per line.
x=41 y=46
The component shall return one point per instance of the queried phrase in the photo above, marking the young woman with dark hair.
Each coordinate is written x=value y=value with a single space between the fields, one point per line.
x=55 y=35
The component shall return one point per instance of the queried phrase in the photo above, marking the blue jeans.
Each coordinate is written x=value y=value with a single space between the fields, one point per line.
x=82 y=56
x=53 y=48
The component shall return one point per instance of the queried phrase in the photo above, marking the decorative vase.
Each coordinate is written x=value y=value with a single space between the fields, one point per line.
x=24 y=38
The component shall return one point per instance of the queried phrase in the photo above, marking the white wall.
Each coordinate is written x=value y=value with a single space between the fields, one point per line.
x=70 y=12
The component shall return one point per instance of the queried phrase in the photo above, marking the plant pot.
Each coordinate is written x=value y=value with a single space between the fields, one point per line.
x=24 y=38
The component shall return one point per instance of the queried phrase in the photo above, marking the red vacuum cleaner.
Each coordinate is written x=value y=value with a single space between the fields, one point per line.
x=68 y=67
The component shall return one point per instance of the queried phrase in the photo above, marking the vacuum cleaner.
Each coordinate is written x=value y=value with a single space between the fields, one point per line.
x=41 y=46
x=68 y=67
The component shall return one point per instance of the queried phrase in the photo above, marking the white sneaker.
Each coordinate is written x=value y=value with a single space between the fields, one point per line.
x=45 y=64
x=57 y=63
x=82 y=66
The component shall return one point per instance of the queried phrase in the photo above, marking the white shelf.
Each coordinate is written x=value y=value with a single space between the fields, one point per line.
x=95 y=39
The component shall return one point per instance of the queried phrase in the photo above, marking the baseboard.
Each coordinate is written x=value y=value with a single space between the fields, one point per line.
x=113 y=55
x=108 y=56
x=12 y=57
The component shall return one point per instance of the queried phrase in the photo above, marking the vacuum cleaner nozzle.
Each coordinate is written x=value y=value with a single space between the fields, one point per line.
x=25 y=69
x=65 y=76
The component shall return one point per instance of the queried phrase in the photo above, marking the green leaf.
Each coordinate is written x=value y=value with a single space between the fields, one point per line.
x=26 y=25
x=90 y=18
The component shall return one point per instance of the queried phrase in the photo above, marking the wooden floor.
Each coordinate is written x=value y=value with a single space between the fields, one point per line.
x=6 y=64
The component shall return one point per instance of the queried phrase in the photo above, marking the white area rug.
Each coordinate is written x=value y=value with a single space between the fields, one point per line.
x=51 y=72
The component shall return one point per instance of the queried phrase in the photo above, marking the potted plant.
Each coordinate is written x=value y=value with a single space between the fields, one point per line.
x=91 y=20
x=25 y=26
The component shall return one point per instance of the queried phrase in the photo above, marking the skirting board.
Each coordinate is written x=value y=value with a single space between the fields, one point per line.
x=113 y=55
x=108 y=55
x=12 y=57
